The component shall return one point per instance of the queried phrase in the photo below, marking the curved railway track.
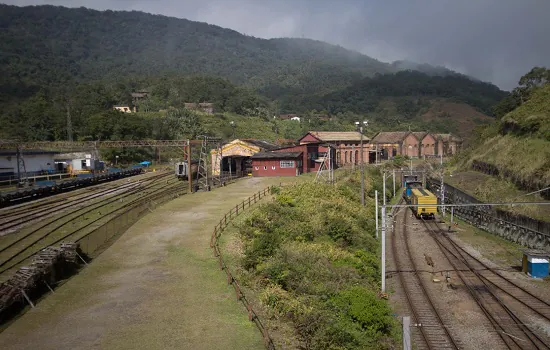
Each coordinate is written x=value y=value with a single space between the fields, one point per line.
x=434 y=332
x=23 y=247
x=27 y=215
x=489 y=288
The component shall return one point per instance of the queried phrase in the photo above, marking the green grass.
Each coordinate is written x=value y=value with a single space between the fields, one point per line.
x=492 y=189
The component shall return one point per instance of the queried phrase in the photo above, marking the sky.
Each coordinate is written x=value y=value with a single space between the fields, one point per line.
x=493 y=40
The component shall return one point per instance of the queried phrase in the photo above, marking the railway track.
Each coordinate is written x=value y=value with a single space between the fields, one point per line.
x=25 y=215
x=434 y=332
x=23 y=245
x=491 y=291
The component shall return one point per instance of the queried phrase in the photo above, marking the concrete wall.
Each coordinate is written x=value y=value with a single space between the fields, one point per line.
x=513 y=227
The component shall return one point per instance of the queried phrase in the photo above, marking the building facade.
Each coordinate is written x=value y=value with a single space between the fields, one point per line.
x=347 y=145
x=36 y=161
x=276 y=164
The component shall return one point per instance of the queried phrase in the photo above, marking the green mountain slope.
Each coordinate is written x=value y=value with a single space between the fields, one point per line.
x=45 y=44
x=518 y=146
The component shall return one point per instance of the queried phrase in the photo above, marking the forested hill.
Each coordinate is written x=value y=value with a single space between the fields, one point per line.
x=365 y=95
x=42 y=45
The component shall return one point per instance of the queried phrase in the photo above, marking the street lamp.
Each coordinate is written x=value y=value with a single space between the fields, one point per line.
x=232 y=123
x=116 y=160
x=360 y=129
x=410 y=158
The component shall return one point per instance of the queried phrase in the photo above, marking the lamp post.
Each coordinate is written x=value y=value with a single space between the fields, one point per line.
x=410 y=158
x=232 y=123
x=360 y=129
x=116 y=160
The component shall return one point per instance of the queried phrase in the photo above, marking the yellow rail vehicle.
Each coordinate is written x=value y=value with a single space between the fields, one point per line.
x=426 y=201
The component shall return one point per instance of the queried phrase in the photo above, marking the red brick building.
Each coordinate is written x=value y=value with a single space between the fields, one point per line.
x=347 y=144
x=277 y=164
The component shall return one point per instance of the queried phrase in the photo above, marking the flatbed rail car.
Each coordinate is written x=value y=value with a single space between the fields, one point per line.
x=409 y=186
x=426 y=201
x=36 y=192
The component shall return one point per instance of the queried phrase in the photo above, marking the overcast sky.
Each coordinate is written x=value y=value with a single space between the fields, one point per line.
x=493 y=40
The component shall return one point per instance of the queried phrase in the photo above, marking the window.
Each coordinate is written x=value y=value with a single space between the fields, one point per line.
x=273 y=167
x=287 y=164
x=265 y=167
x=256 y=168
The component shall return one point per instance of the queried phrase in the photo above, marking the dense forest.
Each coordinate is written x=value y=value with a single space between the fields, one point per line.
x=61 y=64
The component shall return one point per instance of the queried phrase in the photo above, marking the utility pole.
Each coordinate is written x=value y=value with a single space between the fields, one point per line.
x=384 y=188
x=383 y=259
x=376 y=206
x=393 y=175
x=360 y=127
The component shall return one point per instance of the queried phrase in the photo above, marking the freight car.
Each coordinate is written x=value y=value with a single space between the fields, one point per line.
x=410 y=184
x=182 y=172
x=426 y=201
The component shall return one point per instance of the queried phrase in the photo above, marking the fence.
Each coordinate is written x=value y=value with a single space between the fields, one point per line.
x=218 y=229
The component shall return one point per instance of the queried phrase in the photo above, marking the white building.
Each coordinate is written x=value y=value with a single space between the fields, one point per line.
x=36 y=161
x=295 y=119
x=79 y=161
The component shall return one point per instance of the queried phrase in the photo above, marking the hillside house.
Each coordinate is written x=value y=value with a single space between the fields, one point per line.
x=138 y=96
x=288 y=116
x=124 y=108
x=297 y=119
x=205 y=107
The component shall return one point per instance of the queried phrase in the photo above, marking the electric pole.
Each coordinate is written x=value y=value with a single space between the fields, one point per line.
x=360 y=128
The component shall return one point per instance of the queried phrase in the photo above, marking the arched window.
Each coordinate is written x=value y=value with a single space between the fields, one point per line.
x=346 y=157
x=356 y=157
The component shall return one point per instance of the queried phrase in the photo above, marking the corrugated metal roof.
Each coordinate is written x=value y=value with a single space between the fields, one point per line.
x=71 y=156
x=331 y=136
x=10 y=152
x=390 y=136
x=261 y=143
x=276 y=155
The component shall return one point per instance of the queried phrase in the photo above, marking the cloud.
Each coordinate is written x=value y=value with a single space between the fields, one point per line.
x=493 y=40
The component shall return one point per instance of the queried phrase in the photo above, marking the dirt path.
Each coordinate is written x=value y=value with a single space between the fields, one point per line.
x=157 y=287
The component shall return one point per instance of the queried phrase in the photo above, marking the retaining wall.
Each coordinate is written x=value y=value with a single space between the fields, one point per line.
x=517 y=228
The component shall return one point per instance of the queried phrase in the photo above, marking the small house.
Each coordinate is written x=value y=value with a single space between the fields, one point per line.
x=77 y=162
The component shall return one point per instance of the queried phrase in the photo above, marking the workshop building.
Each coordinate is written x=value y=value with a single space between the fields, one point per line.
x=276 y=164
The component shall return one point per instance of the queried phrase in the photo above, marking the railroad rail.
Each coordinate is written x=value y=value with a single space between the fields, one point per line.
x=434 y=331
x=20 y=248
x=514 y=332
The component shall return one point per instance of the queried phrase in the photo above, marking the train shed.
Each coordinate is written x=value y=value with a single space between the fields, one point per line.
x=236 y=155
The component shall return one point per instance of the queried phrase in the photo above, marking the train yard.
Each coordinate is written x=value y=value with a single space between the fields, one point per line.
x=29 y=230
x=458 y=300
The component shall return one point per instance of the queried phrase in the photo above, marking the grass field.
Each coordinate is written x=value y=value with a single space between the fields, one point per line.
x=157 y=287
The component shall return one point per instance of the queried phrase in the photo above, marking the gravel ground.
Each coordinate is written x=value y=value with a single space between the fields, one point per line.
x=459 y=311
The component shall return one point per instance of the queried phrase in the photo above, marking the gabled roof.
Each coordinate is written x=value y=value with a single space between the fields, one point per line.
x=419 y=134
x=331 y=136
x=276 y=155
x=390 y=136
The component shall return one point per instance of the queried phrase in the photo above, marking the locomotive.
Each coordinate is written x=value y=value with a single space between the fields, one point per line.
x=182 y=172
x=424 y=202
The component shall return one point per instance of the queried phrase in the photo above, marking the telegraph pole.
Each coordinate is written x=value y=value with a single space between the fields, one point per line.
x=383 y=259
x=360 y=127
x=393 y=175
x=376 y=205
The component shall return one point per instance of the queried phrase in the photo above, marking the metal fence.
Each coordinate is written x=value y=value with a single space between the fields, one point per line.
x=218 y=230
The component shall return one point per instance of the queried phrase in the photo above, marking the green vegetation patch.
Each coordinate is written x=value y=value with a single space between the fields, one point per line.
x=312 y=259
